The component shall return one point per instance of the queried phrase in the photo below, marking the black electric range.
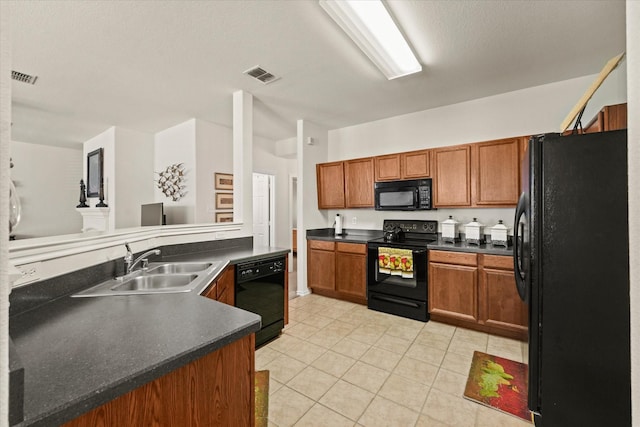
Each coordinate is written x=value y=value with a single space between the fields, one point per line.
x=397 y=268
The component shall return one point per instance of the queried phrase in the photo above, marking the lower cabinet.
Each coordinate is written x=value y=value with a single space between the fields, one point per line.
x=214 y=390
x=476 y=291
x=221 y=289
x=337 y=270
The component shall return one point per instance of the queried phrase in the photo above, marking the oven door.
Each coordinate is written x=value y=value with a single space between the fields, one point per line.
x=397 y=271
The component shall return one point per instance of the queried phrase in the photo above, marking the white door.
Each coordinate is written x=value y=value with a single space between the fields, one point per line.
x=261 y=210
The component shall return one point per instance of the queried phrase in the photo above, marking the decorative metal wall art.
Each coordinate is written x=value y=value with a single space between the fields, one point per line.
x=171 y=181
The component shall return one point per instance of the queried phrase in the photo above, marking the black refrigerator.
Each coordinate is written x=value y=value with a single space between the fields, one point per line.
x=571 y=257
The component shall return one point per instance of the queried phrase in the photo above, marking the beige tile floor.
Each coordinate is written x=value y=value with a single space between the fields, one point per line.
x=340 y=364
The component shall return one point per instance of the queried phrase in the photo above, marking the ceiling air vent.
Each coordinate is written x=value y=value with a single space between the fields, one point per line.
x=24 y=78
x=261 y=74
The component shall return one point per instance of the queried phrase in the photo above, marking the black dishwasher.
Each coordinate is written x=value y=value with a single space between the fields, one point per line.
x=260 y=289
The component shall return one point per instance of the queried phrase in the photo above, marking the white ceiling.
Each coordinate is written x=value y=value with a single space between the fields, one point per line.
x=148 y=65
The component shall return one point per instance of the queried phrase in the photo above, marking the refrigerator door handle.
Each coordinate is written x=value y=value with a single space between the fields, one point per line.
x=518 y=236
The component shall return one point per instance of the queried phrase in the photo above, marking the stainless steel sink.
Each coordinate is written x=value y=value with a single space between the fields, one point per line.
x=179 y=268
x=156 y=281
x=159 y=278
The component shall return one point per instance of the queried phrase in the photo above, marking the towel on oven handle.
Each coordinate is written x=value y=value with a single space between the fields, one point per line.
x=396 y=262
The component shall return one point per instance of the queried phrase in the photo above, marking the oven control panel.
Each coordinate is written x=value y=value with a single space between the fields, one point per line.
x=411 y=226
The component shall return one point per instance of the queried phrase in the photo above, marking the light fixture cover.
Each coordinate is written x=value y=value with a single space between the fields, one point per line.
x=371 y=27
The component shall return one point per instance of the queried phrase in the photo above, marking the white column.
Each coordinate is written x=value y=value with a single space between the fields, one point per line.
x=243 y=160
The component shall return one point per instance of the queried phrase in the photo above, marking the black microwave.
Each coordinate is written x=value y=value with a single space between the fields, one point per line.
x=409 y=195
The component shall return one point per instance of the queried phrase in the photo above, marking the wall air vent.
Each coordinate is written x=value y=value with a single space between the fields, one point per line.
x=24 y=78
x=261 y=74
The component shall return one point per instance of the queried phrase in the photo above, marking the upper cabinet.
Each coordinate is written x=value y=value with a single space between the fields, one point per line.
x=452 y=176
x=347 y=184
x=330 y=181
x=358 y=183
x=496 y=168
x=410 y=165
x=611 y=117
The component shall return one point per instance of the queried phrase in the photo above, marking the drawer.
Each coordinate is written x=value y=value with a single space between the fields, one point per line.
x=498 y=261
x=449 y=257
x=322 y=245
x=354 y=248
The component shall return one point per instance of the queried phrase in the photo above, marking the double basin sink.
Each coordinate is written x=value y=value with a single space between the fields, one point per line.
x=168 y=277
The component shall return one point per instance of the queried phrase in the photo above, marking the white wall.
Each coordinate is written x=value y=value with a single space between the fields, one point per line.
x=524 y=112
x=177 y=145
x=47 y=180
x=134 y=177
x=214 y=153
x=633 y=114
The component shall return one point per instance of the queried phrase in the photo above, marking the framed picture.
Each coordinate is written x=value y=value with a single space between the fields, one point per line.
x=224 y=200
x=94 y=172
x=224 y=181
x=224 y=216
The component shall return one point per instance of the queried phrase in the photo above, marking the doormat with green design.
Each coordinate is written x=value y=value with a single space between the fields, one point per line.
x=262 y=398
x=498 y=383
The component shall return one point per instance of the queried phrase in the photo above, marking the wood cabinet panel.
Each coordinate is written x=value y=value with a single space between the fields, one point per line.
x=611 y=117
x=502 y=306
x=323 y=245
x=217 y=389
x=321 y=269
x=222 y=288
x=452 y=291
x=351 y=274
x=497 y=172
x=330 y=185
x=387 y=167
x=415 y=164
x=452 y=176
x=450 y=257
x=354 y=248
x=294 y=240
x=358 y=183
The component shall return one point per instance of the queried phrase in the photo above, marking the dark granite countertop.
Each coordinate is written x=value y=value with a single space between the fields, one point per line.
x=363 y=236
x=79 y=353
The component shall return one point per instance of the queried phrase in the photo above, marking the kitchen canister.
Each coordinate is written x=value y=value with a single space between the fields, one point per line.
x=499 y=235
x=473 y=232
x=450 y=230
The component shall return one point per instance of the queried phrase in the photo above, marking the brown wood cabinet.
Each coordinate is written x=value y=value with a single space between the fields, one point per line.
x=496 y=171
x=358 y=183
x=214 y=390
x=330 y=184
x=221 y=289
x=409 y=165
x=501 y=306
x=321 y=265
x=347 y=184
x=351 y=270
x=611 y=117
x=452 y=176
x=476 y=291
x=337 y=270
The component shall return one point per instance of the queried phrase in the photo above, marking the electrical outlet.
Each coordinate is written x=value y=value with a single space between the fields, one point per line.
x=354 y=220
x=30 y=273
x=220 y=235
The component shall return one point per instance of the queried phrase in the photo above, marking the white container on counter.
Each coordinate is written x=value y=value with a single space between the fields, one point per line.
x=500 y=235
x=450 y=230
x=474 y=234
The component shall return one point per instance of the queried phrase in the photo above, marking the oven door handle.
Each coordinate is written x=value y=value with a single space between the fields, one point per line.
x=396 y=301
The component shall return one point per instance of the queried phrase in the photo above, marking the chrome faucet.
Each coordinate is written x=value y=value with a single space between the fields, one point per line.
x=130 y=263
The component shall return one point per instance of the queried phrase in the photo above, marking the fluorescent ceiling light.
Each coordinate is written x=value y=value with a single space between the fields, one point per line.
x=370 y=26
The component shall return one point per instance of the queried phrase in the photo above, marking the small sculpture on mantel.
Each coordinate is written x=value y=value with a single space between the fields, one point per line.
x=102 y=204
x=83 y=195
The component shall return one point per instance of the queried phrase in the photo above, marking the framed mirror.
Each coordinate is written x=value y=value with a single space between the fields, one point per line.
x=94 y=172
